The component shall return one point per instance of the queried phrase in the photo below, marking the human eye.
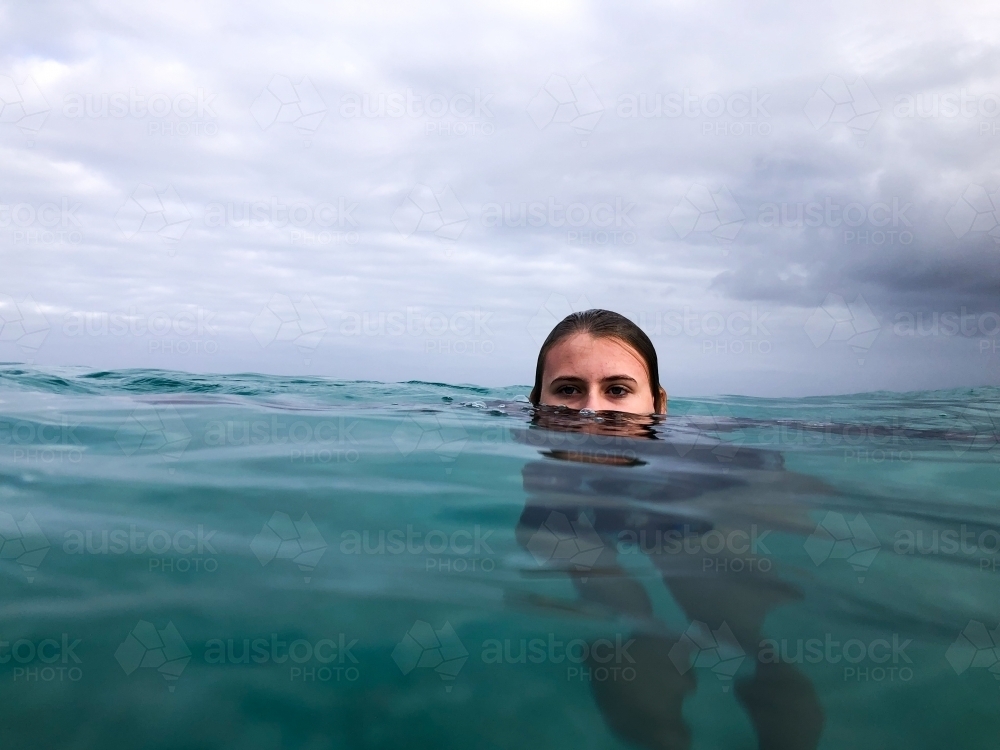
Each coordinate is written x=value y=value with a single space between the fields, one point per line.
x=618 y=391
x=567 y=390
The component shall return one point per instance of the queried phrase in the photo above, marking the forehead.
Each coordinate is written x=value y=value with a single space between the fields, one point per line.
x=587 y=356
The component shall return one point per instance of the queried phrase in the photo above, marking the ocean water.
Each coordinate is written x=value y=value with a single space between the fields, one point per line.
x=247 y=561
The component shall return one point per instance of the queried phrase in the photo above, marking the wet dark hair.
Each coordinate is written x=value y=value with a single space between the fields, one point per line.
x=602 y=324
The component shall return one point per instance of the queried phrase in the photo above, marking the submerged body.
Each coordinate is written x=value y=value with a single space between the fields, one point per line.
x=645 y=490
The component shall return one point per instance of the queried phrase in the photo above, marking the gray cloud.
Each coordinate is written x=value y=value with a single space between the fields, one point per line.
x=450 y=118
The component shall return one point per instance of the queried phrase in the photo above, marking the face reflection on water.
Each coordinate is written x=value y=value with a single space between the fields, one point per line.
x=604 y=425
x=609 y=474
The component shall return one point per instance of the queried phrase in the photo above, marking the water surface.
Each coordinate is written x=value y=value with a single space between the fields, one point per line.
x=248 y=561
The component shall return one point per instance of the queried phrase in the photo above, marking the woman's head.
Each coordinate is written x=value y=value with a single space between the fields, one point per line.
x=599 y=360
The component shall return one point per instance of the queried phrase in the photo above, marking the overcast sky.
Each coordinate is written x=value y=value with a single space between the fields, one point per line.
x=790 y=198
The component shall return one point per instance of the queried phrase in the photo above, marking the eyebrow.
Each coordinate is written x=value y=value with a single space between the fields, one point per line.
x=577 y=379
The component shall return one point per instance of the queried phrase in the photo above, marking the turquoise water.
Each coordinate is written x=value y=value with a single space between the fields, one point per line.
x=256 y=562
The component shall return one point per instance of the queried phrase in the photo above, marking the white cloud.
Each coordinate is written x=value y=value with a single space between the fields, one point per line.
x=236 y=151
